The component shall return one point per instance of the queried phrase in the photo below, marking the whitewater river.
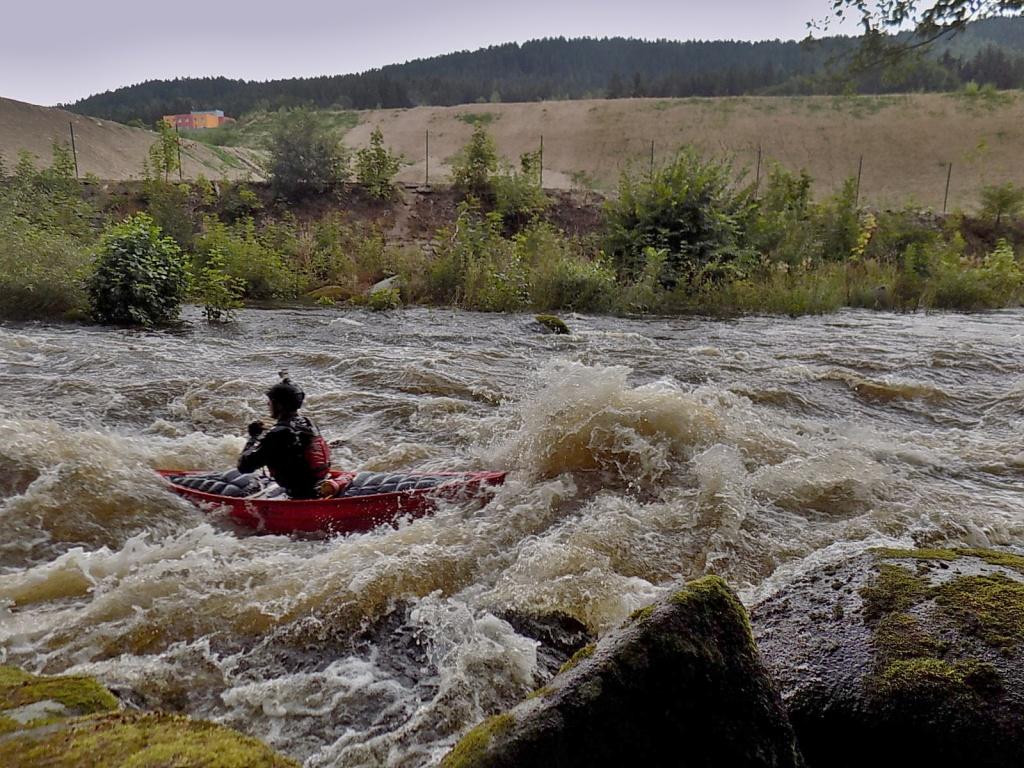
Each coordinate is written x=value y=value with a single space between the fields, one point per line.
x=640 y=452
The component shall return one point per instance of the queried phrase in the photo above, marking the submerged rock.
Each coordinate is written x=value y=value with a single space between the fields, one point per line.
x=903 y=657
x=681 y=684
x=73 y=722
x=558 y=634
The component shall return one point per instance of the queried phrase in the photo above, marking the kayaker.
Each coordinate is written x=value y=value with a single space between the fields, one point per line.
x=293 y=450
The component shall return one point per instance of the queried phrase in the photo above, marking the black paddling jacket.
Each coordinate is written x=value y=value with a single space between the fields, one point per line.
x=291 y=450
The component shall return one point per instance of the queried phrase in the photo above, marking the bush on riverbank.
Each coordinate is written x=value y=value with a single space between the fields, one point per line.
x=45 y=235
x=140 y=276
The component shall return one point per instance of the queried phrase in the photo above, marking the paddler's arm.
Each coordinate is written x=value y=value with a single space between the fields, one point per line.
x=258 y=450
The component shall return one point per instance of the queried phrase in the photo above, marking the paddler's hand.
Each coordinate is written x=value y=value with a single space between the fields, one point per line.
x=256 y=429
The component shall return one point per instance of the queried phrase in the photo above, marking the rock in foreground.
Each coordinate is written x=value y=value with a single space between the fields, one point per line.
x=681 y=684
x=903 y=658
x=40 y=725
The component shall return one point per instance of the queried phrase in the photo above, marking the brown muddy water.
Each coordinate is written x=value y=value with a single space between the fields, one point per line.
x=640 y=451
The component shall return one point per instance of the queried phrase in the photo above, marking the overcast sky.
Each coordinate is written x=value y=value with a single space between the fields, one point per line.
x=60 y=51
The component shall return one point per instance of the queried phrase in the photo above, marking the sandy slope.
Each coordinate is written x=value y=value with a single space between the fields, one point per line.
x=907 y=141
x=109 y=150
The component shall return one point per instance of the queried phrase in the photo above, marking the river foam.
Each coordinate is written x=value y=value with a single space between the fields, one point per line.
x=639 y=453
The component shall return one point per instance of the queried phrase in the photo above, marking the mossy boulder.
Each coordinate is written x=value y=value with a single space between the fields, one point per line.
x=551 y=324
x=30 y=700
x=74 y=722
x=903 y=657
x=681 y=685
x=136 y=740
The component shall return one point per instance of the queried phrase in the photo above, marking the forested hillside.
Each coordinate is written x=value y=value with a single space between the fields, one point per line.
x=990 y=51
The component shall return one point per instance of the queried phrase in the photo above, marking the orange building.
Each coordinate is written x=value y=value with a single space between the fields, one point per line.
x=210 y=118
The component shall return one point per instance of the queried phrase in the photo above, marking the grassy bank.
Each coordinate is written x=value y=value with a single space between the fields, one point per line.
x=692 y=237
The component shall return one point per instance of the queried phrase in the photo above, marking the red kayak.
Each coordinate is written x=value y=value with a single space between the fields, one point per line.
x=364 y=500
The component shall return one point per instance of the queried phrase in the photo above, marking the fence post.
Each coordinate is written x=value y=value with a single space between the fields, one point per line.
x=426 y=178
x=757 y=178
x=74 y=150
x=177 y=141
x=945 y=200
x=540 y=161
x=860 y=171
x=652 y=158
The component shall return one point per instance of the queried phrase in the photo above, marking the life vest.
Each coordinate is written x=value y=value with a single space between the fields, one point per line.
x=318 y=457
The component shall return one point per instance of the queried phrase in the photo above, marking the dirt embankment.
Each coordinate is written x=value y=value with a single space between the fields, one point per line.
x=106 y=149
x=907 y=141
x=413 y=216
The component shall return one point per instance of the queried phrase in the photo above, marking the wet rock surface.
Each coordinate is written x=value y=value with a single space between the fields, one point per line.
x=902 y=657
x=74 y=722
x=558 y=634
x=680 y=684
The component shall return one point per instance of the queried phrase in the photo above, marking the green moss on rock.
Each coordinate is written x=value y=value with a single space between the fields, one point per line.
x=133 y=740
x=895 y=590
x=540 y=693
x=899 y=636
x=996 y=557
x=472 y=748
x=7 y=725
x=990 y=607
x=553 y=324
x=583 y=653
x=886 y=553
x=641 y=613
x=712 y=590
x=939 y=680
x=82 y=695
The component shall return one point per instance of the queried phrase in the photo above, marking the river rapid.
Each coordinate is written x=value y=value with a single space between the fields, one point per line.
x=640 y=452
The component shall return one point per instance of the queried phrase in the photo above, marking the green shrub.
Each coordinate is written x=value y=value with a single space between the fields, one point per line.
x=384 y=299
x=248 y=258
x=475 y=164
x=577 y=285
x=377 y=166
x=518 y=196
x=777 y=225
x=219 y=293
x=898 y=231
x=1003 y=275
x=561 y=274
x=476 y=267
x=140 y=276
x=238 y=201
x=839 y=223
x=999 y=202
x=41 y=270
x=305 y=155
x=815 y=291
x=686 y=210
x=170 y=207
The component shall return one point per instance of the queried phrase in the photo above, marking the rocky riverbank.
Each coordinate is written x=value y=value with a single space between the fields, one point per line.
x=896 y=657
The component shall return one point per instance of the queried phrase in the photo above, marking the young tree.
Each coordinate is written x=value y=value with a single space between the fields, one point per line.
x=377 y=166
x=306 y=157
x=476 y=164
x=1006 y=200
x=164 y=155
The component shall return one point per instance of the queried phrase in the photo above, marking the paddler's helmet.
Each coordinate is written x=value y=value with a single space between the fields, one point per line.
x=286 y=396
